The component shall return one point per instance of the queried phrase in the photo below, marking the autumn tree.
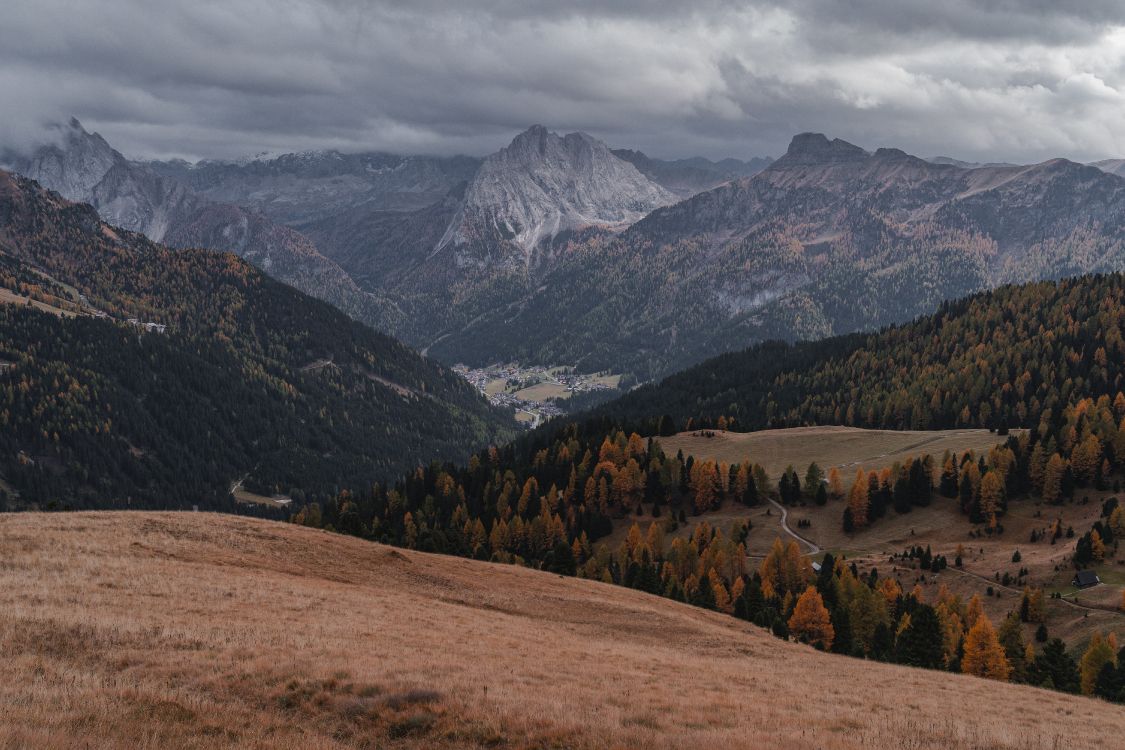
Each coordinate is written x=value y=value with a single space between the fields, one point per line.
x=784 y=570
x=1053 y=477
x=1097 y=546
x=1101 y=651
x=835 y=484
x=991 y=494
x=810 y=622
x=984 y=656
x=858 y=501
x=974 y=611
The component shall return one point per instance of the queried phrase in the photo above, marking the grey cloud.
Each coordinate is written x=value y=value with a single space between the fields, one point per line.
x=982 y=80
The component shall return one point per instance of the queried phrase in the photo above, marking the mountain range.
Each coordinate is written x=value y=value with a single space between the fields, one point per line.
x=830 y=238
x=560 y=250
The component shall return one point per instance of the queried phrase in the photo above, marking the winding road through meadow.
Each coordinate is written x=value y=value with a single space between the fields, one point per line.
x=813 y=546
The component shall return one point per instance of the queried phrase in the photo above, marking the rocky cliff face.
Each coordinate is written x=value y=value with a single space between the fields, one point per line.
x=542 y=185
x=72 y=164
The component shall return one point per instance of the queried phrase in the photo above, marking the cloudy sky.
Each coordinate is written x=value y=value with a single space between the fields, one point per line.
x=976 y=79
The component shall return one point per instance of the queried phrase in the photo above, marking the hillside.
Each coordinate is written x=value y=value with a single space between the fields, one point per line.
x=1005 y=357
x=267 y=635
x=940 y=526
x=187 y=371
x=600 y=497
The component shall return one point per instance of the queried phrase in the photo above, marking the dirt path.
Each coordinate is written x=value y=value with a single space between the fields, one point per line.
x=813 y=547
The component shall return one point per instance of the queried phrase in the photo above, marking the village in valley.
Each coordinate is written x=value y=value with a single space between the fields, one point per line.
x=535 y=393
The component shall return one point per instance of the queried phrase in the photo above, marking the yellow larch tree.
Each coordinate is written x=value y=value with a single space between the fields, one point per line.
x=984 y=656
x=1101 y=651
x=858 y=501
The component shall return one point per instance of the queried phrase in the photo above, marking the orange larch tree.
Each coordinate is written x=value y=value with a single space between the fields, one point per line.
x=810 y=622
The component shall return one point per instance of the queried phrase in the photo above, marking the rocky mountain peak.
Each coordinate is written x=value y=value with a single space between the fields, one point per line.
x=543 y=184
x=73 y=163
x=815 y=148
x=531 y=140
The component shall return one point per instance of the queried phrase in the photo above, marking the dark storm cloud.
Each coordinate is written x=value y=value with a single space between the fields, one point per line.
x=987 y=80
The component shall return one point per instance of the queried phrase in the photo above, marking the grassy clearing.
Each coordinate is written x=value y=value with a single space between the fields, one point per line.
x=8 y=297
x=610 y=381
x=496 y=385
x=250 y=498
x=847 y=448
x=543 y=392
x=127 y=630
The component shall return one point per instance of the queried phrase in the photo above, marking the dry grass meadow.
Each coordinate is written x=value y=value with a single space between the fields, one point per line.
x=846 y=448
x=159 y=630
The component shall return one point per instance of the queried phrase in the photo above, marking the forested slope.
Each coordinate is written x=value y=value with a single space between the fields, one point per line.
x=999 y=358
x=250 y=378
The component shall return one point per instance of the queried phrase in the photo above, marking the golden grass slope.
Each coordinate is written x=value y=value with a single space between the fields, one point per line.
x=160 y=630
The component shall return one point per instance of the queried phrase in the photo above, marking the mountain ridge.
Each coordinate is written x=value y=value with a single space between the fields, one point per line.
x=83 y=167
x=828 y=239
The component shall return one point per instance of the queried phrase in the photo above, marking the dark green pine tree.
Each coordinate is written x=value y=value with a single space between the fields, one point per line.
x=704 y=595
x=750 y=496
x=1055 y=668
x=1105 y=686
x=882 y=642
x=842 y=643
x=920 y=645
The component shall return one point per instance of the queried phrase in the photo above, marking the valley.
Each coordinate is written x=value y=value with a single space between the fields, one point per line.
x=206 y=631
x=537 y=393
x=465 y=376
x=215 y=390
